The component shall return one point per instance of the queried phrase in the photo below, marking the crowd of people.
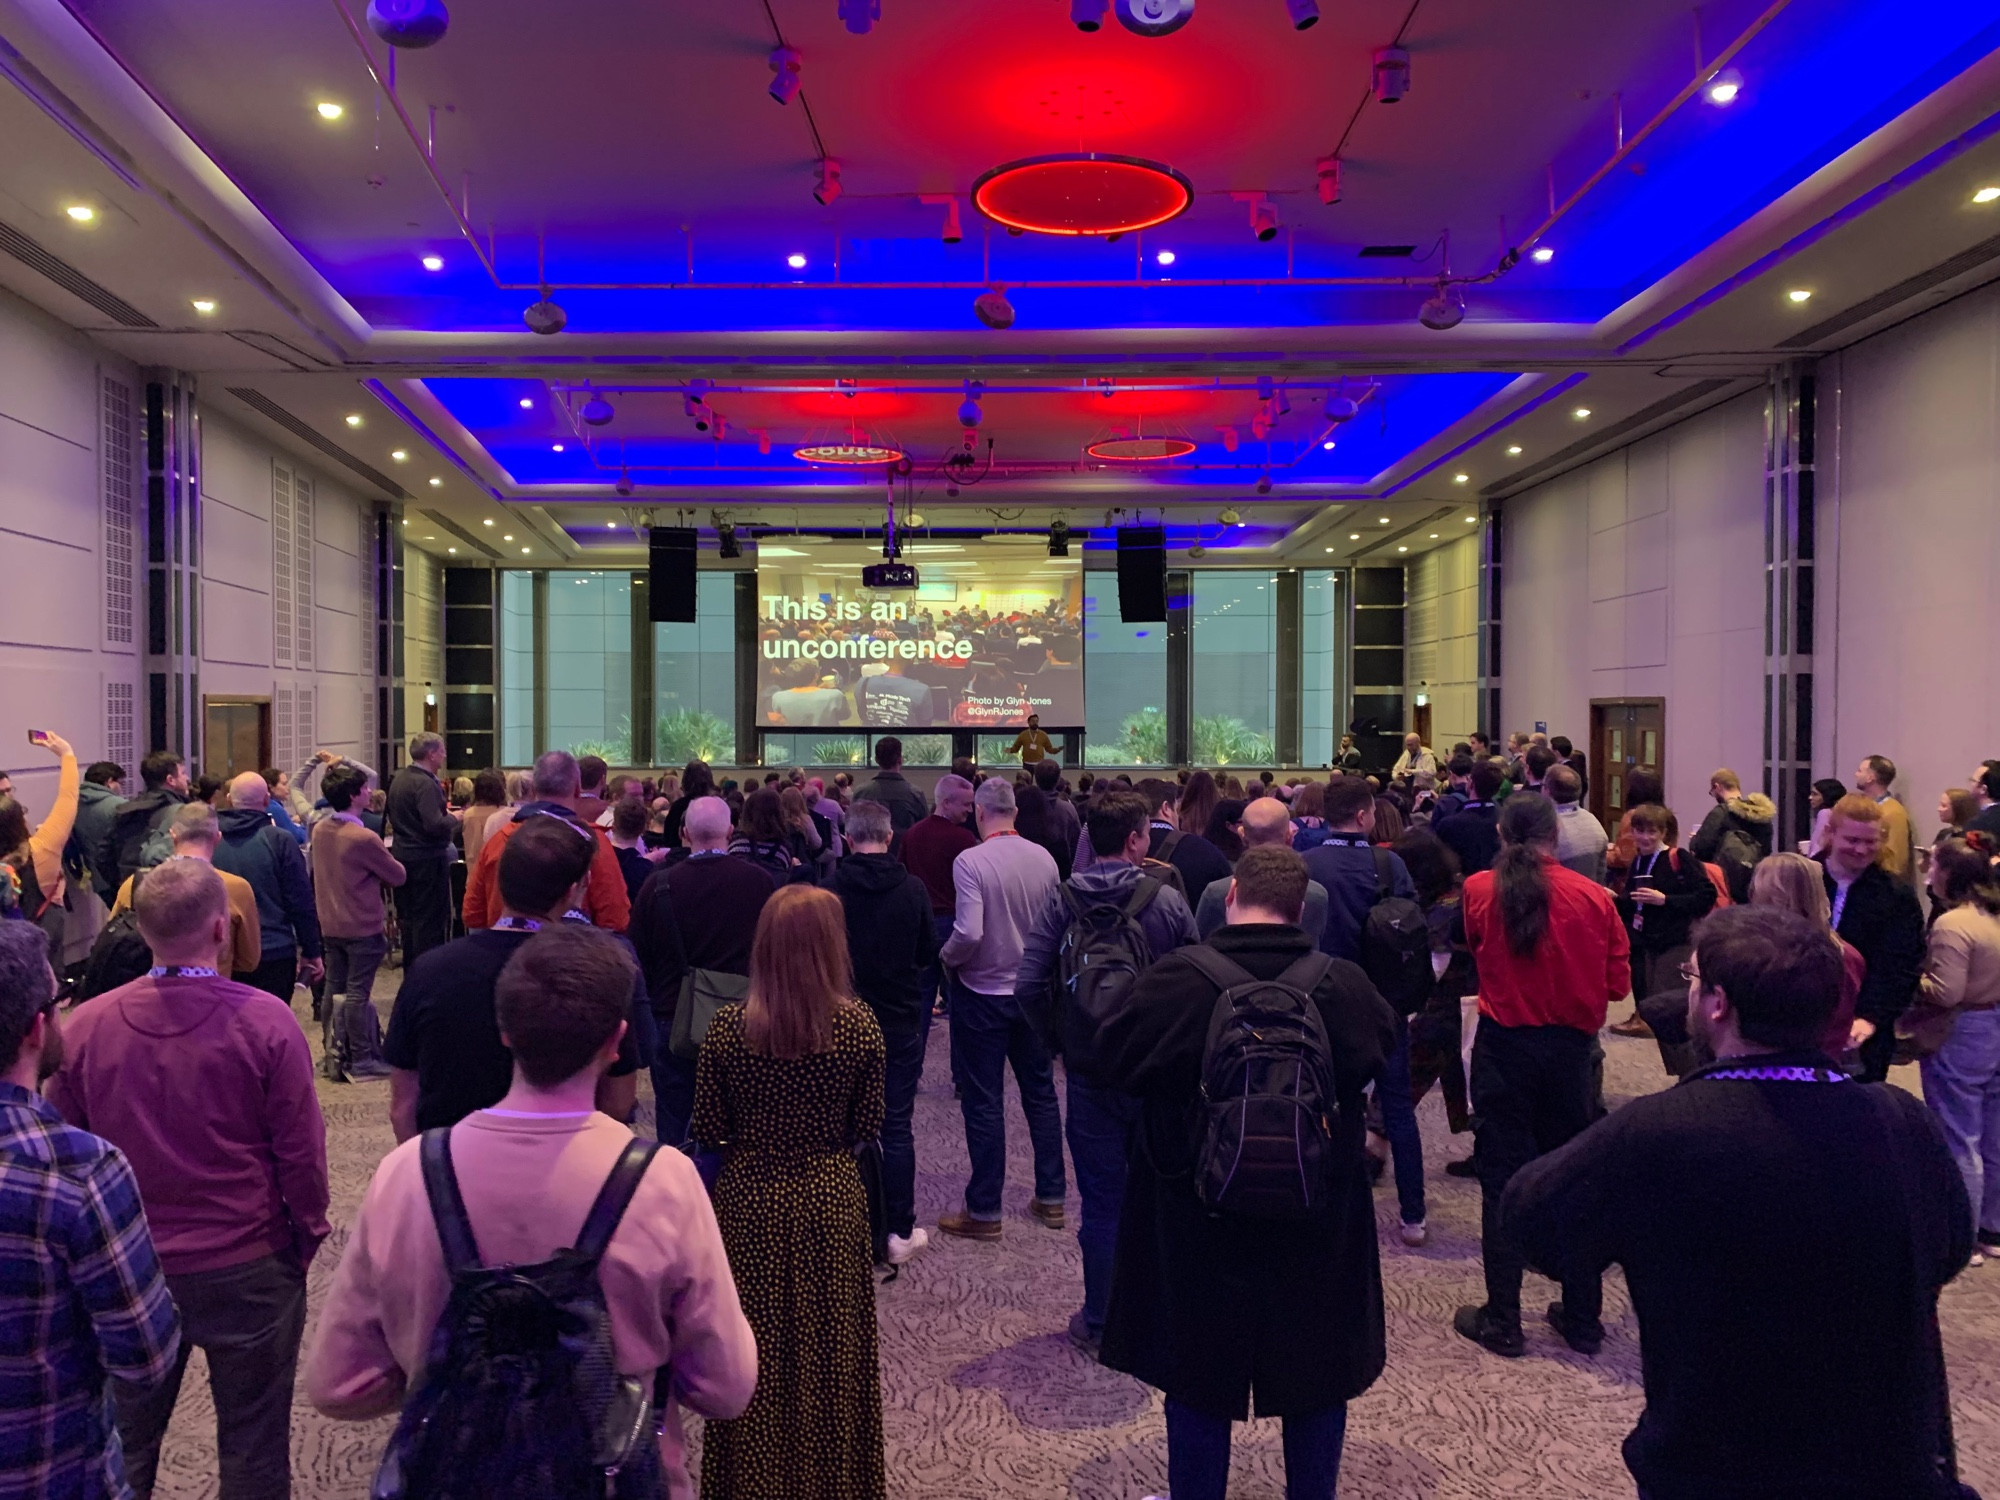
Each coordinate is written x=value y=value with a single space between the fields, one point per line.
x=1249 y=985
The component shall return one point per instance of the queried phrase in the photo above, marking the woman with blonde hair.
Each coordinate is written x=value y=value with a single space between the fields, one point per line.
x=789 y=1083
x=1797 y=884
x=520 y=788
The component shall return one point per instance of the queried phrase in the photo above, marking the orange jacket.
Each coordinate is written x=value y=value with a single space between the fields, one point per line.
x=605 y=900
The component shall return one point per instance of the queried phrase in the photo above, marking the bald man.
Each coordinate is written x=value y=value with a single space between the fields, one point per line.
x=263 y=854
x=1266 y=824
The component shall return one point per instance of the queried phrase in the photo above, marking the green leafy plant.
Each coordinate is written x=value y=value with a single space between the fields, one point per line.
x=927 y=750
x=693 y=734
x=613 y=752
x=1142 y=741
x=1225 y=740
x=841 y=752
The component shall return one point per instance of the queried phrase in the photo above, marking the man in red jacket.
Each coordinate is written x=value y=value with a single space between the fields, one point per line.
x=1552 y=956
x=557 y=785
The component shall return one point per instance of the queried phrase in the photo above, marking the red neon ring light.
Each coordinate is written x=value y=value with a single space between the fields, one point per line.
x=1133 y=450
x=1082 y=193
x=853 y=455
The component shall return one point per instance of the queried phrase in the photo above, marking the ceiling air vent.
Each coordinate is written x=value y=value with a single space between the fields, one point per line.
x=1387 y=252
x=71 y=280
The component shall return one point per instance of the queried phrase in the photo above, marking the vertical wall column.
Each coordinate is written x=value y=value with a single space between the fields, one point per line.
x=1180 y=666
x=385 y=544
x=1378 y=663
x=471 y=642
x=1487 y=708
x=1290 y=584
x=749 y=748
x=644 y=712
x=173 y=564
x=1790 y=547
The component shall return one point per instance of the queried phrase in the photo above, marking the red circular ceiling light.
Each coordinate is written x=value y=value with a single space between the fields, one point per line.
x=1082 y=193
x=1132 y=450
x=853 y=455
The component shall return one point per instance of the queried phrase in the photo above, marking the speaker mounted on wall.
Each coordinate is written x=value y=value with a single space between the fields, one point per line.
x=1142 y=574
x=670 y=581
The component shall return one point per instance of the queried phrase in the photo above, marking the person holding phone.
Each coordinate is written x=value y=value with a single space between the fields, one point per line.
x=34 y=859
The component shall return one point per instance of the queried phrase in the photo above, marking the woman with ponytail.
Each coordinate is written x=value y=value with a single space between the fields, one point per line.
x=1552 y=954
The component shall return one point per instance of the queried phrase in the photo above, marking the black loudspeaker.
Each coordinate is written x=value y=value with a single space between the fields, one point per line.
x=1142 y=574
x=670 y=592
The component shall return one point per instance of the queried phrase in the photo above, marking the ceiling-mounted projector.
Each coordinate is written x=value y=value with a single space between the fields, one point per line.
x=408 y=23
x=889 y=575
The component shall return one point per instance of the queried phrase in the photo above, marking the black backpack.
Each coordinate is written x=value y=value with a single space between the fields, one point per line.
x=1737 y=854
x=1265 y=1121
x=1103 y=952
x=521 y=1400
x=1396 y=944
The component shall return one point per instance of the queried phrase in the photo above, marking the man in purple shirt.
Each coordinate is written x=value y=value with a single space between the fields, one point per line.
x=206 y=1086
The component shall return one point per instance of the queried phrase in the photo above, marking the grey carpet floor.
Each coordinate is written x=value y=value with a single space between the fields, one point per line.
x=983 y=1395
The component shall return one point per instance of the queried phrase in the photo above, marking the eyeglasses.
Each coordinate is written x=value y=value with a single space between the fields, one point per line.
x=1690 y=973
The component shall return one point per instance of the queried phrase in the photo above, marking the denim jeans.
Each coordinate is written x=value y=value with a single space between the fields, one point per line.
x=904 y=1070
x=1198 y=1453
x=352 y=963
x=1399 y=1123
x=1099 y=1127
x=673 y=1095
x=1962 y=1087
x=988 y=1033
x=932 y=977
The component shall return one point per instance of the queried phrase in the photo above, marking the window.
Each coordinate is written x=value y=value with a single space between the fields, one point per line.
x=694 y=679
x=517 y=668
x=1124 y=682
x=1322 y=697
x=1235 y=650
x=827 y=748
x=589 y=663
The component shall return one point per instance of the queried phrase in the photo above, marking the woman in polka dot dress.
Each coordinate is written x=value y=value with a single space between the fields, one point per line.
x=788 y=1083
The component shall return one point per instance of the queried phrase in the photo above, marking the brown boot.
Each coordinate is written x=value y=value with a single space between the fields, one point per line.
x=1050 y=1214
x=965 y=1227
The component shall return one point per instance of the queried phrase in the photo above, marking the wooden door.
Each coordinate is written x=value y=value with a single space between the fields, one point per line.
x=1422 y=727
x=1626 y=735
x=236 y=735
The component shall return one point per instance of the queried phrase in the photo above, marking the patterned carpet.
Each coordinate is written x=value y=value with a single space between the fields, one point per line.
x=984 y=1396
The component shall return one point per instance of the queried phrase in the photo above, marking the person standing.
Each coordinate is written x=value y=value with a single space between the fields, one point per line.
x=1033 y=744
x=627 y=837
x=905 y=803
x=1065 y=823
x=489 y=801
x=1986 y=791
x=789 y=1084
x=1784 y=1231
x=268 y=858
x=1660 y=895
x=99 y=798
x=1955 y=1023
x=165 y=779
x=83 y=1302
x=928 y=851
x=1878 y=914
x=1354 y=872
x=1002 y=886
x=894 y=943
x=206 y=1085
x=1738 y=820
x=698 y=913
x=193 y=833
x=1552 y=955
x=1473 y=832
x=529 y=1169
x=1580 y=838
x=36 y=857
x=1216 y=1310
x=1265 y=826
x=1416 y=767
x=350 y=869
x=557 y=779
x=1100 y=1118
x=1873 y=779
x=420 y=830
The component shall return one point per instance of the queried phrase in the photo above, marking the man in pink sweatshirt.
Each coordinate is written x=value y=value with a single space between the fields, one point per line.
x=529 y=1169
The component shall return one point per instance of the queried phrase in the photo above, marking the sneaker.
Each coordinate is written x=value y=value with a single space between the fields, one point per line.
x=1050 y=1214
x=1978 y=1259
x=1467 y=1168
x=1989 y=1239
x=901 y=1249
x=1415 y=1234
x=965 y=1227
x=1584 y=1338
x=1081 y=1336
x=1490 y=1331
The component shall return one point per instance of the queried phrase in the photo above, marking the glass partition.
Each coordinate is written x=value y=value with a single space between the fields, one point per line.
x=517 y=668
x=1322 y=703
x=1235 y=650
x=694 y=679
x=589 y=664
x=1124 y=682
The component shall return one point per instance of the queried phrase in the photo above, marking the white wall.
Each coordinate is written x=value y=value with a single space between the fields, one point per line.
x=1441 y=638
x=423 y=639
x=1914 y=423
x=1641 y=575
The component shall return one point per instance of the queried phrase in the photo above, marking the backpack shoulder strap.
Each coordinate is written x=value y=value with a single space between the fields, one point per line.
x=613 y=1198
x=1170 y=843
x=1219 y=969
x=1385 y=884
x=1143 y=892
x=461 y=1251
x=1306 y=972
x=1074 y=901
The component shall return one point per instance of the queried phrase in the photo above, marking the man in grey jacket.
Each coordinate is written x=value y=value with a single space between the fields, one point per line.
x=1101 y=1119
x=1265 y=823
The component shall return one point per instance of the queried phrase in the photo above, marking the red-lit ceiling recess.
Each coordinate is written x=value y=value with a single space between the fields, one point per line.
x=1086 y=193
x=1131 y=450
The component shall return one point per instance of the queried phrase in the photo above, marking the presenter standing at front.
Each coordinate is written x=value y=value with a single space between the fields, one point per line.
x=1032 y=744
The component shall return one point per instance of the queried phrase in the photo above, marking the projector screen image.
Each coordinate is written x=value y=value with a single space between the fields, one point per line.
x=992 y=634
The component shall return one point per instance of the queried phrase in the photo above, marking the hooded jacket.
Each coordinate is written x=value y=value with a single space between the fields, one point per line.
x=270 y=860
x=97 y=809
x=890 y=935
x=1751 y=815
x=119 y=859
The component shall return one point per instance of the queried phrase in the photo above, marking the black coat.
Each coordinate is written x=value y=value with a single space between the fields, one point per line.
x=1683 y=880
x=1214 y=1311
x=891 y=936
x=129 y=827
x=1882 y=920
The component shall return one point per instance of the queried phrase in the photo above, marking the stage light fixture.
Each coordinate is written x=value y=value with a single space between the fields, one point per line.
x=1154 y=18
x=1541 y=255
x=785 y=64
x=1230 y=516
x=993 y=309
x=969 y=413
x=1087 y=15
x=726 y=546
x=952 y=232
x=544 y=317
x=1304 y=14
x=697 y=412
x=1391 y=74
x=1229 y=439
x=1058 y=538
x=1341 y=408
x=597 y=411
x=408 y=23
x=1264 y=483
x=1327 y=169
x=624 y=487
x=827 y=188
x=1263 y=219
x=860 y=16
x=1444 y=309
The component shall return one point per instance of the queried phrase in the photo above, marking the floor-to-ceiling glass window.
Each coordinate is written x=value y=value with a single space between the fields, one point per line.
x=694 y=679
x=1124 y=681
x=1235 y=661
x=517 y=668
x=1322 y=695
x=589 y=664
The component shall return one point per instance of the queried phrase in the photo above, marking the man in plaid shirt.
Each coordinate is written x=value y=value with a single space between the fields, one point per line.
x=82 y=1297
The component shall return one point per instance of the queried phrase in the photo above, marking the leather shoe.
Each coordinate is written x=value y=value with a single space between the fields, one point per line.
x=1584 y=1338
x=965 y=1227
x=1050 y=1214
x=1492 y=1333
x=1469 y=1167
x=1632 y=1025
